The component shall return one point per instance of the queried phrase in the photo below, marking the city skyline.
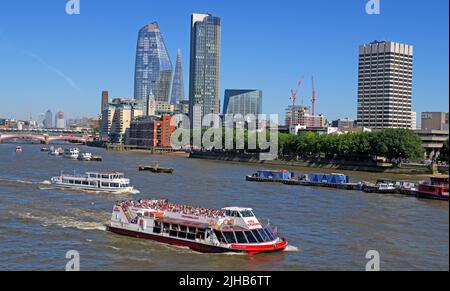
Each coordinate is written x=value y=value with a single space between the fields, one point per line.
x=62 y=73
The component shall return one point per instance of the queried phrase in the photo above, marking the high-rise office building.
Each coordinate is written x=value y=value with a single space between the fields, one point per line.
x=105 y=100
x=413 y=120
x=243 y=102
x=178 y=83
x=41 y=120
x=60 y=122
x=204 y=67
x=48 y=122
x=153 y=72
x=385 y=85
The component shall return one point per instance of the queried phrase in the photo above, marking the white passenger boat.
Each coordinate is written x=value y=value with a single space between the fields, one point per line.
x=55 y=151
x=85 y=157
x=112 y=182
x=230 y=229
x=71 y=153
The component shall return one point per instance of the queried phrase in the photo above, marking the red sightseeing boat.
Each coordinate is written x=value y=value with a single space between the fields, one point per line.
x=436 y=188
x=231 y=229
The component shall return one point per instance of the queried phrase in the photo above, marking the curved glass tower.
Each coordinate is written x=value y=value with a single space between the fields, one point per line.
x=153 y=72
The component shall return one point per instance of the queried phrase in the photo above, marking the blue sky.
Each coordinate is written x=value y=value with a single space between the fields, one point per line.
x=49 y=59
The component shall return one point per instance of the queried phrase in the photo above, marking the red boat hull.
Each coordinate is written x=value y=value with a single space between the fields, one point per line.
x=202 y=248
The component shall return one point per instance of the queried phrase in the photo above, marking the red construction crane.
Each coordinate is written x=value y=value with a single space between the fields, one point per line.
x=294 y=93
x=294 y=98
x=313 y=100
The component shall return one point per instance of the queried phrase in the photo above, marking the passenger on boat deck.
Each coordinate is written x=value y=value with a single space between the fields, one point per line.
x=164 y=205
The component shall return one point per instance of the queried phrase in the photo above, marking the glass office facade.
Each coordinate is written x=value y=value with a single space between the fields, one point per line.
x=204 y=66
x=243 y=102
x=153 y=72
x=178 y=83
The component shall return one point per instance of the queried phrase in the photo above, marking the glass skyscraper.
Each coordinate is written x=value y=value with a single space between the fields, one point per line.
x=243 y=102
x=178 y=83
x=204 y=67
x=153 y=72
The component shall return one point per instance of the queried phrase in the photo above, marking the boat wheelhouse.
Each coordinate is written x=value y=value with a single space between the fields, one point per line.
x=113 y=182
x=85 y=157
x=231 y=229
x=55 y=151
x=71 y=153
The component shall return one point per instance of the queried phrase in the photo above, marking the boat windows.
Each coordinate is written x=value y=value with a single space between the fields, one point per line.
x=174 y=227
x=240 y=237
x=250 y=237
x=257 y=236
x=247 y=213
x=114 y=185
x=86 y=183
x=191 y=236
x=105 y=184
x=201 y=234
x=220 y=236
x=166 y=227
x=156 y=230
x=183 y=228
x=273 y=232
x=182 y=235
x=269 y=234
x=229 y=236
x=157 y=224
x=105 y=177
x=264 y=235
x=173 y=233
x=192 y=230
x=77 y=182
x=232 y=213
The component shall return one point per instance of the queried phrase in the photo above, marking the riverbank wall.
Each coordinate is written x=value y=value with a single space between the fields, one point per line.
x=408 y=169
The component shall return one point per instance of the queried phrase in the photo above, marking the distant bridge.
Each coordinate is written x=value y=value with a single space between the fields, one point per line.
x=44 y=136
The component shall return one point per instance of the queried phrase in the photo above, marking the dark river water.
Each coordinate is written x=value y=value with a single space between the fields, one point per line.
x=327 y=229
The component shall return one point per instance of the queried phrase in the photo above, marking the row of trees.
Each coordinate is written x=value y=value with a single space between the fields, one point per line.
x=393 y=144
x=444 y=152
x=400 y=144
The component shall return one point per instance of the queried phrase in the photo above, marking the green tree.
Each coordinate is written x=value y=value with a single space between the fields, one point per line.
x=444 y=152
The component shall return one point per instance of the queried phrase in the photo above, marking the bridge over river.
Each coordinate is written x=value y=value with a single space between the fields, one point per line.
x=44 y=136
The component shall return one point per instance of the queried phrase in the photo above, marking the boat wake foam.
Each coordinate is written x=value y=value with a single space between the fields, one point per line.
x=290 y=248
x=17 y=182
x=61 y=221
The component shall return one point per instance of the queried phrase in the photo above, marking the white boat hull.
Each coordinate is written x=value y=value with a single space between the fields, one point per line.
x=128 y=190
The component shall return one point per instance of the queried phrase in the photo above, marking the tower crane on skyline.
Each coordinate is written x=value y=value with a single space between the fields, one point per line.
x=313 y=100
x=294 y=98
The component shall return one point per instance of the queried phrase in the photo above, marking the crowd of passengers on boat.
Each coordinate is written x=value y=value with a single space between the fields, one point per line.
x=165 y=205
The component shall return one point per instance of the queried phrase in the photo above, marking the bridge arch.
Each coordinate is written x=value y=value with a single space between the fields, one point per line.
x=44 y=138
x=40 y=138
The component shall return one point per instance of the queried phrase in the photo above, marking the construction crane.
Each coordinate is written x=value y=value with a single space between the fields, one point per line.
x=294 y=93
x=313 y=100
x=294 y=98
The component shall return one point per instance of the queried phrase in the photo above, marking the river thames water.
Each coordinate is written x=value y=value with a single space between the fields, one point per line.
x=327 y=229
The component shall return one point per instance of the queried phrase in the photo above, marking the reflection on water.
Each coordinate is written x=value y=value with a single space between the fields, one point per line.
x=327 y=229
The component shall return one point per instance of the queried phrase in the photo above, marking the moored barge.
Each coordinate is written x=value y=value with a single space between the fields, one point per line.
x=435 y=188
